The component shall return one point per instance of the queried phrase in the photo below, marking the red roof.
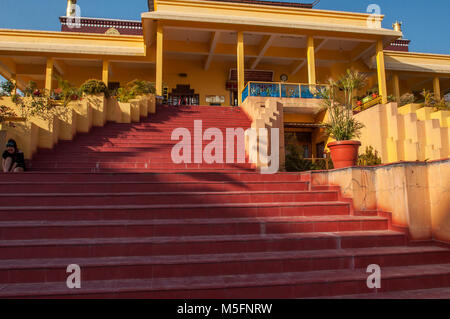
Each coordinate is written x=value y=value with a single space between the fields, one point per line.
x=273 y=3
x=151 y=5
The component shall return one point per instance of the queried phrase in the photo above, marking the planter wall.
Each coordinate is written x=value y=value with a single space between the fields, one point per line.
x=67 y=123
x=113 y=111
x=135 y=110
x=408 y=133
x=125 y=109
x=98 y=105
x=84 y=115
x=78 y=116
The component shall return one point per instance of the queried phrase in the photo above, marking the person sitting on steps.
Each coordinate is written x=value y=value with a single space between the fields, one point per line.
x=13 y=159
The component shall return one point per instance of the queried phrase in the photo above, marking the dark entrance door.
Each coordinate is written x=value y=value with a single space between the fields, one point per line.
x=183 y=95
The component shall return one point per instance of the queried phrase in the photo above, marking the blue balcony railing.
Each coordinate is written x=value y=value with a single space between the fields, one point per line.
x=281 y=90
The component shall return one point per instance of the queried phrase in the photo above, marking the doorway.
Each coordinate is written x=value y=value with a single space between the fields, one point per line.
x=183 y=95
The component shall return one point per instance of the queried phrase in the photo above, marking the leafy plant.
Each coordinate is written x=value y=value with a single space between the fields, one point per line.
x=66 y=92
x=94 y=87
x=139 y=87
x=294 y=161
x=7 y=87
x=429 y=98
x=342 y=125
x=431 y=101
x=406 y=99
x=124 y=95
x=134 y=89
x=369 y=158
x=391 y=98
x=35 y=102
x=6 y=112
x=442 y=105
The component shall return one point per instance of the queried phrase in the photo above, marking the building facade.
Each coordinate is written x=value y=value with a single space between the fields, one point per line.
x=222 y=53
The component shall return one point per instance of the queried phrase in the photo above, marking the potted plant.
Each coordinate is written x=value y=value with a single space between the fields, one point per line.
x=342 y=126
x=93 y=87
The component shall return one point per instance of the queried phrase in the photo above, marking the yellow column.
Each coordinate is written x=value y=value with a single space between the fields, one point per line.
x=159 y=60
x=397 y=88
x=311 y=61
x=49 y=75
x=381 y=72
x=240 y=65
x=437 y=88
x=105 y=72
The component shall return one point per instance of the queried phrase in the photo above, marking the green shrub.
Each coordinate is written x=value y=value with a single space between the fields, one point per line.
x=369 y=158
x=341 y=124
x=430 y=100
x=7 y=87
x=133 y=89
x=94 y=87
x=6 y=112
x=124 y=95
x=35 y=102
x=407 y=98
x=139 y=87
x=66 y=92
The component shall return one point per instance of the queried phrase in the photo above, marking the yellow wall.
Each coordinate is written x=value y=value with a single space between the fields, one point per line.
x=417 y=194
x=409 y=133
x=210 y=82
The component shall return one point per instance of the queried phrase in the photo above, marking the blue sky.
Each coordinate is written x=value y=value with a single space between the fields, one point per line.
x=426 y=23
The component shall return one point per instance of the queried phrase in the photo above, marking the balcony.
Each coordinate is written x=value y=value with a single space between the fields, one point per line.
x=295 y=97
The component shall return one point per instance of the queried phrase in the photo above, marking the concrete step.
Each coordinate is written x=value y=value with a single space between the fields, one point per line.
x=172 y=211
x=130 y=186
x=147 y=267
x=273 y=285
x=13 y=230
x=182 y=176
x=188 y=245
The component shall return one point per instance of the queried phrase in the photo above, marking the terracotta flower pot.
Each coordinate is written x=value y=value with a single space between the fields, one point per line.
x=344 y=153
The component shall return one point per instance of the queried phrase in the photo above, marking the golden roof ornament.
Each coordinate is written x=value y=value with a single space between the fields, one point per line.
x=397 y=26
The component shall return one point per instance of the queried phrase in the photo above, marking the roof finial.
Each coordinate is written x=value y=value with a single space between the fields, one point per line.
x=397 y=26
x=71 y=10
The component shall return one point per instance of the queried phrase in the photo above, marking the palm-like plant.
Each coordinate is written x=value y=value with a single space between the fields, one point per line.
x=342 y=126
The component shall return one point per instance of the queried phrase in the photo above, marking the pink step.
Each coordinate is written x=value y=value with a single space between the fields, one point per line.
x=255 y=286
x=172 y=211
x=188 y=186
x=108 y=268
x=186 y=245
x=186 y=227
x=155 y=198
x=182 y=176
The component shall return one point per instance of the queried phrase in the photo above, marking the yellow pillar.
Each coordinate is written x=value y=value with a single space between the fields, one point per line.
x=382 y=88
x=159 y=60
x=240 y=65
x=49 y=75
x=311 y=61
x=397 y=87
x=437 y=88
x=105 y=72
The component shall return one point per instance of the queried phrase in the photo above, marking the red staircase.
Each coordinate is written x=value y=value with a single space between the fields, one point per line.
x=161 y=230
